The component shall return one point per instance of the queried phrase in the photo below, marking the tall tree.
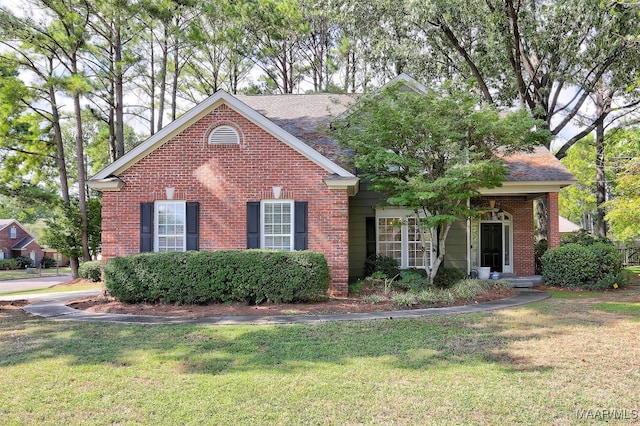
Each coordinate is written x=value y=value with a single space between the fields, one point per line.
x=432 y=152
x=548 y=56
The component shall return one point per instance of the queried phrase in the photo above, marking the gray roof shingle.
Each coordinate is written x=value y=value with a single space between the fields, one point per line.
x=307 y=117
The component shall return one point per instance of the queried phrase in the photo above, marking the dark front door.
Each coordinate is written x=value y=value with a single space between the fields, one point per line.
x=491 y=245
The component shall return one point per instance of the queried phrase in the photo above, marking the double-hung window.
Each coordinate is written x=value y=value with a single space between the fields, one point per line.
x=277 y=224
x=171 y=226
x=399 y=237
x=13 y=233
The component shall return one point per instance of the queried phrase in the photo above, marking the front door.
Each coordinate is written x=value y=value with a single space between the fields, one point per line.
x=491 y=245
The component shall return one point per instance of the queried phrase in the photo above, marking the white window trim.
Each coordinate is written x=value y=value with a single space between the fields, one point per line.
x=404 y=214
x=13 y=233
x=263 y=234
x=156 y=224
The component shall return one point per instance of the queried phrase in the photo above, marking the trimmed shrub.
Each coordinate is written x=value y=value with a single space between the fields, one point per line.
x=412 y=279
x=199 y=277
x=48 y=262
x=24 y=262
x=384 y=264
x=91 y=270
x=595 y=266
x=8 y=264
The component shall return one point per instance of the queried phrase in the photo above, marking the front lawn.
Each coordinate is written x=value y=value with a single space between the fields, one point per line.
x=543 y=363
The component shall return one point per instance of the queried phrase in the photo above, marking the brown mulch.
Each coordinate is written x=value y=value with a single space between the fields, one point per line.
x=332 y=306
x=106 y=304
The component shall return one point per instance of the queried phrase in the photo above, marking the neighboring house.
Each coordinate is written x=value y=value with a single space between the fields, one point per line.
x=565 y=226
x=239 y=172
x=16 y=241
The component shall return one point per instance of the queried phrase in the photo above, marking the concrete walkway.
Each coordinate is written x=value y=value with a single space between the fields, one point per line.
x=52 y=306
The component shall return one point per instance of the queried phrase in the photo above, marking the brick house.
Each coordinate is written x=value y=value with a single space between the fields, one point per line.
x=16 y=241
x=239 y=172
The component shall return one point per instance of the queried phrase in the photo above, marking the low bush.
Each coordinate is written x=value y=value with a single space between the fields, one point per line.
x=595 y=266
x=48 y=262
x=446 y=277
x=91 y=270
x=384 y=264
x=198 y=277
x=8 y=264
x=412 y=279
x=24 y=262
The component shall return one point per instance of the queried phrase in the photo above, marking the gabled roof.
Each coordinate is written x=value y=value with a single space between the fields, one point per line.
x=4 y=223
x=565 y=225
x=106 y=176
x=23 y=243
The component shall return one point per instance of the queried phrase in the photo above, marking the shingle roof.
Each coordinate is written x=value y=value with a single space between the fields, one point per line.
x=5 y=222
x=307 y=117
x=539 y=165
x=23 y=243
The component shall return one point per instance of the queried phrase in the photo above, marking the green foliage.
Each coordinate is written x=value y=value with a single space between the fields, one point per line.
x=48 y=262
x=24 y=262
x=446 y=277
x=430 y=151
x=539 y=249
x=595 y=266
x=91 y=270
x=583 y=238
x=413 y=280
x=404 y=299
x=198 y=277
x=63 y=229
x=8 y=264
x=386 y=265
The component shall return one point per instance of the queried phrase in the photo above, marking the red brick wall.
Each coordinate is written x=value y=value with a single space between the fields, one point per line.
x=222 y=179
x=523 y=238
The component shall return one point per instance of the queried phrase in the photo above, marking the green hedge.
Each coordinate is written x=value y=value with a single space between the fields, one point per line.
x=8 y=264
x=91 y=270
x=596 y=266
x=199 y=277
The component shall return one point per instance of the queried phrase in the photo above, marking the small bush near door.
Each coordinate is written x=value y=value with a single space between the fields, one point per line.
x=199 y=277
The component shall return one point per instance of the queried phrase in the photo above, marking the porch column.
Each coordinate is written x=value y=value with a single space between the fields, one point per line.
x=554 y=226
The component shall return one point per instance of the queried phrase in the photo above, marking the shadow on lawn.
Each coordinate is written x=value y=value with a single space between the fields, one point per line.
x=442 y=342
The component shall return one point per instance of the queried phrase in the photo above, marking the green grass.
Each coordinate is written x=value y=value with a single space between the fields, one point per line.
x=57 y=289
x=622 y=308
x=536 y=364
x=22 y=274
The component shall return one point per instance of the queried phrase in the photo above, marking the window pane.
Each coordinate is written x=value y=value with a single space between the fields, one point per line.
x=171 y=220
x=277 y=225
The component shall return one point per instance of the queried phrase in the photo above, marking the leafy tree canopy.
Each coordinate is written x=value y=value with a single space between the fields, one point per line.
x=430 y=152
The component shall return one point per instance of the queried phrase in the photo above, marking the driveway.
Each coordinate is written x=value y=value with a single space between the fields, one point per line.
x=34 y=283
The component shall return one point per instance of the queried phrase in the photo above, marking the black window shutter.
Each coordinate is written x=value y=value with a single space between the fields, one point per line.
x=300 y=226
x=193 y=227
x=146 y=227
x=253 y=224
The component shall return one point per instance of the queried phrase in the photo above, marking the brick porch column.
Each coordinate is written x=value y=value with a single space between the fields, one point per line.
x=554 y=226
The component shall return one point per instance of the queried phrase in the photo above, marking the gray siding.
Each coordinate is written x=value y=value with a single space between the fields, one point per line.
x=456 y=249
x=361 y=206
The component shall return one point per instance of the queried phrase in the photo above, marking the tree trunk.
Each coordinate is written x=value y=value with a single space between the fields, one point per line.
x=542 y=215
x=601 y=191
x=163 y=78
x=119 y=95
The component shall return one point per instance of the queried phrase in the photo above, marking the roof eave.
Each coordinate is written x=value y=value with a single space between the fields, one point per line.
x=527 y=187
